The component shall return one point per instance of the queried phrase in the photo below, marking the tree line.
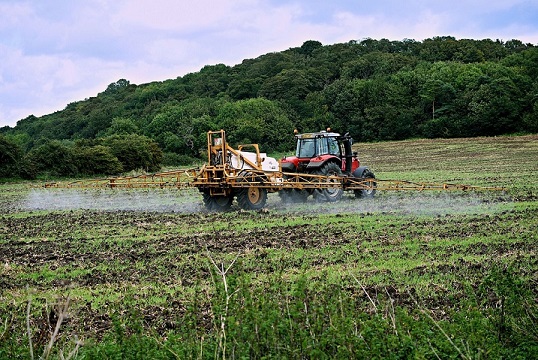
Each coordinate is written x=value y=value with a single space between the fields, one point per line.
x=374 y=89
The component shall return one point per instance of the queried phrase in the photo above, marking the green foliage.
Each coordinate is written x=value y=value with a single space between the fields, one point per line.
x=508 y=300
x=96 y=160
x=122 y=126
x=174 y=159
x=127 y=347
x=309 y=47
x=53 y=158
x=377 y=64
x=10 y=155
x=173 y=130
x=257 y=121
x=182 y=128
x=278 y=319
x=117 y=86
x=530 y=120
x=110 y=155
x=374 y=89
x=135 y=152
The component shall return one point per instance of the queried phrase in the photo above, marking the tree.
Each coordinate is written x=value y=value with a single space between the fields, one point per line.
x=468 y=52
x=94 y=160
x=494 y=109
x=377 y=89
x=10 y=155
x=287 y=85
x=309 y=47
x=243 y=88
x=53 y=158
x=345 y=101
x=211 y=80
x=122 y=126
x=377 y=64
x=527 y=61
x=258 y=121
x=530 y=121
x=181 y=128
x=439 y=48
x=117 y=86
x=135 y=151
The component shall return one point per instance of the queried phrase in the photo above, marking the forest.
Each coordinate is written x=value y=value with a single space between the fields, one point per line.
x=376 y=90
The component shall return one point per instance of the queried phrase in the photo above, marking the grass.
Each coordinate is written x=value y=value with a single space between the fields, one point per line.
x=404 y=275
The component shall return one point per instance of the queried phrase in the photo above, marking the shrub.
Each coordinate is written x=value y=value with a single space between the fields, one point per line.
x=135 y=151
x=10 y=155
x=96 y=160
x=54 y=158
x=173 y=159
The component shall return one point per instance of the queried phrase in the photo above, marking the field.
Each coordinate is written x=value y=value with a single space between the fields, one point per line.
x=151 y=274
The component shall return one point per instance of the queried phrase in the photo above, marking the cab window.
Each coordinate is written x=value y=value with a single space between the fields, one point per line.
x=323 y=148
x=305 y=148
x=334 y=148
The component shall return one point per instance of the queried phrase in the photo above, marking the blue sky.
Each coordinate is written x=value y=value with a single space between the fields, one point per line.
x=59 y=51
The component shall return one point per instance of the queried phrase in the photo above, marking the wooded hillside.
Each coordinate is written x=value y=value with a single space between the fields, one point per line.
x=374 y=89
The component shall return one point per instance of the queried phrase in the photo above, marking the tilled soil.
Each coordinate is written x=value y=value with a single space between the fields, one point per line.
x=93 y=251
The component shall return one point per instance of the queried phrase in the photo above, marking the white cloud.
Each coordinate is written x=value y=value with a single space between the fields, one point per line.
x=12 y=14
x=40 y=84
x=174 y=15
x=353 y=26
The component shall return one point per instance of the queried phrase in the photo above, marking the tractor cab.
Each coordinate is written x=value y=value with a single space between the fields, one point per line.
x=313 y=150
x=311 y=146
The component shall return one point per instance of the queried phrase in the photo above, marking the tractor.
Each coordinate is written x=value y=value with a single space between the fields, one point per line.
x=329 y=154
x=324 y=166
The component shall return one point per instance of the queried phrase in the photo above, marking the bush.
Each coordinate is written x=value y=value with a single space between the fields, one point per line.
x=27 y=169
x=173 y=159
x=96 y=160
x=135 y=152
x=54 y=158
x=10 y=154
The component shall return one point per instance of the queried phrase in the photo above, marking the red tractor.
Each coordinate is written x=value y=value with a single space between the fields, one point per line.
x=324 y=153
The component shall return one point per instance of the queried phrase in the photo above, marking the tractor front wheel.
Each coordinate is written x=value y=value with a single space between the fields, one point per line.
x=293 y=195
x=330 y=194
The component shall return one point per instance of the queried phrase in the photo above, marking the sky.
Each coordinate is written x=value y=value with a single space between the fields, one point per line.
x=55 y=52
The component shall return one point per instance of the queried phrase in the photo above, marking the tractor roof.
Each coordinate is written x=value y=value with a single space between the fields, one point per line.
x=317 y=135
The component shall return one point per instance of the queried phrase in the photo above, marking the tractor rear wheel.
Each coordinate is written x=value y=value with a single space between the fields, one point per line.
x=370 y=192
x=217 y=202
x=333 y=193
